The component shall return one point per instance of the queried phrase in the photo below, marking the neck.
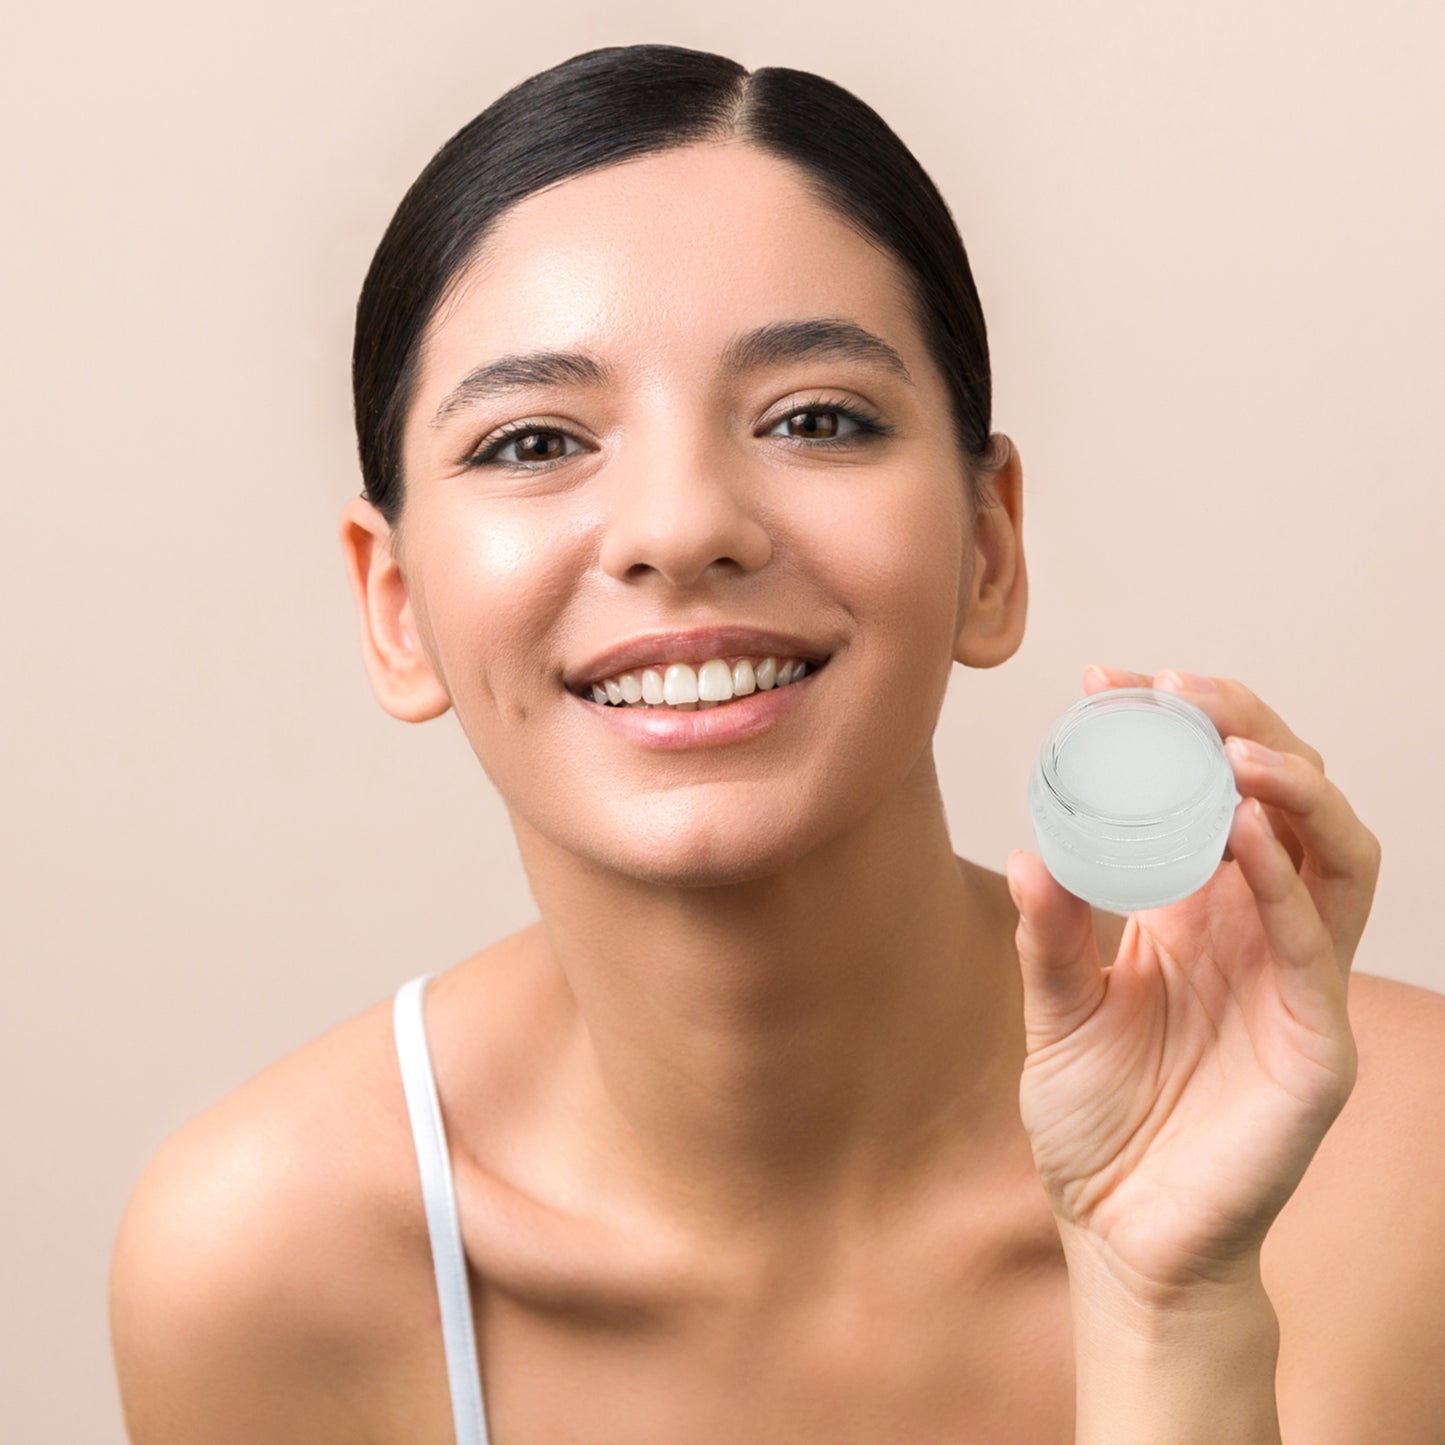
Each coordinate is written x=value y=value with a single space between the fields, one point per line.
x=830 y=1034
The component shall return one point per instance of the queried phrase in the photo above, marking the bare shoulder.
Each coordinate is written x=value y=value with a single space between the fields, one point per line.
x=1356 y=1260
x=263 y=1243
x=1392 y=1128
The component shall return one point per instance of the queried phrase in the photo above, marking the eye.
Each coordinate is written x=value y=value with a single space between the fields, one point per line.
x=538 y=447
x=830 y=432
x=535 y=446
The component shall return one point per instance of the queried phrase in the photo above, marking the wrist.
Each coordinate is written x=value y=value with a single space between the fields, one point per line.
x=1100 y=1281
x=1182 y=1365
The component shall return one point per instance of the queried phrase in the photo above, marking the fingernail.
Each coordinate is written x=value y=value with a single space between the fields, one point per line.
x=1189 y=681
x=1253 y=752
x=1098 y=672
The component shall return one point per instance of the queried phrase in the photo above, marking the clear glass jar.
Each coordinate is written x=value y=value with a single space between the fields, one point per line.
x=1132 y=797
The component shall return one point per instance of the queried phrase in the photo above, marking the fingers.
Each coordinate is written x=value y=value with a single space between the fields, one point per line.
x=1335 y=889
x=1308 y=972
x=1333 y=857
x=1058 y=955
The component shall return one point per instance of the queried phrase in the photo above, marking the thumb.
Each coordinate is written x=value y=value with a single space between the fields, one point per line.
x=1058 y=955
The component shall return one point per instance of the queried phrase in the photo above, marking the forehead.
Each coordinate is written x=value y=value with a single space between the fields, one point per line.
x=656 y=262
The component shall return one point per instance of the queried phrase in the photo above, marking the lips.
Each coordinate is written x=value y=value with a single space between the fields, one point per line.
x=693 y=646
x=677 y=729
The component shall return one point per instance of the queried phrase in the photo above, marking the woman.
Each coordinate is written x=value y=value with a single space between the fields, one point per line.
x=783 y=1123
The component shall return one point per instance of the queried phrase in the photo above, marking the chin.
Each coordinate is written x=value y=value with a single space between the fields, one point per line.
x=707 y=862
x=688 y=853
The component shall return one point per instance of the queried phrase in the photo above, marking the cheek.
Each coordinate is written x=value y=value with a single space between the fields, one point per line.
x=901 y=566
x=495 y=585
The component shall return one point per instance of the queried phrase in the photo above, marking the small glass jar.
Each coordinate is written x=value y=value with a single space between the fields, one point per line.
x=1132 y=797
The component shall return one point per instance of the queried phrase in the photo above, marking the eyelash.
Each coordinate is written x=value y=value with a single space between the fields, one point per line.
x=868 y=425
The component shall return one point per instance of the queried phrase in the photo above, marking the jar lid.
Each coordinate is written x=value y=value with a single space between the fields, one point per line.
x=1134 y=756
x=1132 y=797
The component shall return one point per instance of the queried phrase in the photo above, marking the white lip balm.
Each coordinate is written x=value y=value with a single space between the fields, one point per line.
x=1132 y=797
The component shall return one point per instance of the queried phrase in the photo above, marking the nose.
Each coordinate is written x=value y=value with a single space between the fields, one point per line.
x=683 y=501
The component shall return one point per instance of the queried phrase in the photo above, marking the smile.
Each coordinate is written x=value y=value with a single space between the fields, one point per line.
x=682 y=687
x=703 y=722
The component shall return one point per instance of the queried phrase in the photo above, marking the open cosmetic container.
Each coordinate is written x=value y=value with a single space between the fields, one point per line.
x=1132 y=797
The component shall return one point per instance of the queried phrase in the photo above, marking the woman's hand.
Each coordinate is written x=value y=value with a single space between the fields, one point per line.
x=1174 y=1100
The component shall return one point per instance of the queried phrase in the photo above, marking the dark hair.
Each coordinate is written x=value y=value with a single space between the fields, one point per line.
x=621 y=102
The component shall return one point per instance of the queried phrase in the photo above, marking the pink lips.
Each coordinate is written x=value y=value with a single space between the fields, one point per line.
x=665 y=727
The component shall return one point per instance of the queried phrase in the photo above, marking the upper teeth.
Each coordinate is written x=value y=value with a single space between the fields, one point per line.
x=678 y=684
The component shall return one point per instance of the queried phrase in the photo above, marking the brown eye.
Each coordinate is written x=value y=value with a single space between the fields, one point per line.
x=534 y=448
x=528 y=449
x=813 y=424
x=823 y=426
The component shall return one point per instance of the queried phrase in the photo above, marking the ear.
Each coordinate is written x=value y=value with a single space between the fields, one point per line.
x=402 y=675
x=994 y=603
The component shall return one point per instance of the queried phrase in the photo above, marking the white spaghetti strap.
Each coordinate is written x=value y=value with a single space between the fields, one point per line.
x=419 y=1082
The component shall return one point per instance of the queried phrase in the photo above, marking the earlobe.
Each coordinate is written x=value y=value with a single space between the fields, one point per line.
x=402 y=675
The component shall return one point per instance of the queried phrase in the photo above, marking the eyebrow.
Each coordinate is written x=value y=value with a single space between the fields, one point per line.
x=763 y=346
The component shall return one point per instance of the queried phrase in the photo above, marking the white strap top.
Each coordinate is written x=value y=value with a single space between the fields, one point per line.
x=448 y=1259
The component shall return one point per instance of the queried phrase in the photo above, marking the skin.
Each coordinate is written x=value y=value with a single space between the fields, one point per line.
x=789 y=993
x=775 y=1064
x=1220 y=1035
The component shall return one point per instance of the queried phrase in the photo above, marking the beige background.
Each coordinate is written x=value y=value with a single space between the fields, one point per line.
x=1208 y=243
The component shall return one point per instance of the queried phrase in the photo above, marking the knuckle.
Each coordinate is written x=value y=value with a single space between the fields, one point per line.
x=1364 y=857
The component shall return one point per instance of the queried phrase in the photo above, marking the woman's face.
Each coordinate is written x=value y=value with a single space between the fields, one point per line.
x=677 y=493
